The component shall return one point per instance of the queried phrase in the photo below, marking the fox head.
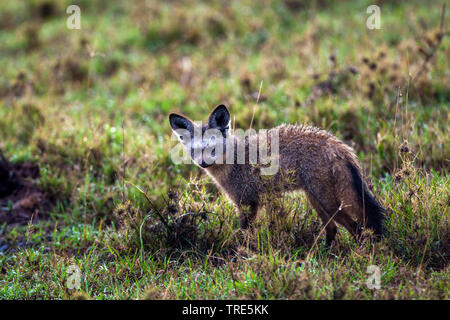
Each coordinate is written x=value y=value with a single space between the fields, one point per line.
x=204 y=143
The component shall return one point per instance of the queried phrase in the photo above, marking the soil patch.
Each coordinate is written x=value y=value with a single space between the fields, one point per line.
x=21 y=201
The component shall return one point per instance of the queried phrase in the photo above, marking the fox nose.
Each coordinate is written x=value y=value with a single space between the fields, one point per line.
x=203 y=164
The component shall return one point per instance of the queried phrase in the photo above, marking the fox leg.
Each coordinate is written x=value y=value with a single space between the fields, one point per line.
x=329 y=202
x=328 y=222
x=344 y=219
x=351 y=214
x=330 y=228
x=247 y=214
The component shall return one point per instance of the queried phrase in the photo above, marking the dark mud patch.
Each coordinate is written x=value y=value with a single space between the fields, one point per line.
x=21 y=201
x=19 y=87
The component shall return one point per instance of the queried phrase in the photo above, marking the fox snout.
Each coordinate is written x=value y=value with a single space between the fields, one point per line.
x=204 y=165
x=202 y=157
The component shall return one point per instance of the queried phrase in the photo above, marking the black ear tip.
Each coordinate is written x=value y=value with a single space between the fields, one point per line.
x=221 y=109
x=178 y=121
x=219 y=117
x=221 y=106
x=172 y=118
x=175 y=116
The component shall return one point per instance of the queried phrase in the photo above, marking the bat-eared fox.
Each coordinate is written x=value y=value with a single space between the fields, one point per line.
x=308 y=158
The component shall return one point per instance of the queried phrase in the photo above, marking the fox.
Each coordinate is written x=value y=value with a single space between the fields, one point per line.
x=309 y=159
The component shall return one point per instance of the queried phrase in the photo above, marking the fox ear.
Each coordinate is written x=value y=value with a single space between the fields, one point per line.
x=220 y=118
x=179 y=123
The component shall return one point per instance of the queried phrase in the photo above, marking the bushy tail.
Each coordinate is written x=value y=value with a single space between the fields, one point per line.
x=373 y=211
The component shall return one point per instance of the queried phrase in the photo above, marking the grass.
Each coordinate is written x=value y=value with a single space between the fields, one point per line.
x=89 y=108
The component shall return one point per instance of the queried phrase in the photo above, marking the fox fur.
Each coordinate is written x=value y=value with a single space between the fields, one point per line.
x=310 y=159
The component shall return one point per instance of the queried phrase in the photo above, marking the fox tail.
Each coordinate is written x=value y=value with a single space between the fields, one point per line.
x=373 y=212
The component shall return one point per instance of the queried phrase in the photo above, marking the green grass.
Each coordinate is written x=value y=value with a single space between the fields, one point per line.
x=90 y=108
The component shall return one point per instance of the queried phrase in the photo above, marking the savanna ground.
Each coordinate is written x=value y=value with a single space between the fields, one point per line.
x=86 y=177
